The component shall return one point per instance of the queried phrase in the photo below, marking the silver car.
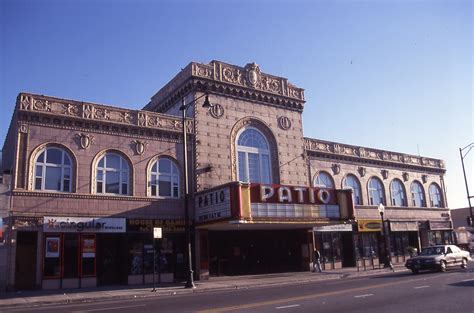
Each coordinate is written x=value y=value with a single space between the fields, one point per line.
x=438 y=258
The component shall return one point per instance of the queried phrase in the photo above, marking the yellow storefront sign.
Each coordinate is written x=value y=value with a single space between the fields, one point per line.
x=369 y=225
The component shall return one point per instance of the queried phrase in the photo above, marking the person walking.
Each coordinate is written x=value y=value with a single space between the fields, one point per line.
x=316 y=261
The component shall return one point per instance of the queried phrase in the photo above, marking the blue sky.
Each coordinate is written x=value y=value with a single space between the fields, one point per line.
x=395 y=75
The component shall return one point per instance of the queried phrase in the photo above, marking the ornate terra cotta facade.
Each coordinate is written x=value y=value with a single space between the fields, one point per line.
x=263 y=195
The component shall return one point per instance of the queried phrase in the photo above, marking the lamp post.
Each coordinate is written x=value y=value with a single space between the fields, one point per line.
x=189 y=263
x=388 y=261
x=469 y=147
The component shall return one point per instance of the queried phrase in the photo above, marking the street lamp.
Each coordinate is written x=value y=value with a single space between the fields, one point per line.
x=469 y=147
x=189 y=263
x=388 y=261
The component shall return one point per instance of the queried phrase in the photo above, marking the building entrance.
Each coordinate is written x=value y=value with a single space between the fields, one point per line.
x=255 y=252
x=112 y=259
x=25 y=264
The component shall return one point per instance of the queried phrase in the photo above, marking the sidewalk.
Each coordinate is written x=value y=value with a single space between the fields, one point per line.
x=44 y=297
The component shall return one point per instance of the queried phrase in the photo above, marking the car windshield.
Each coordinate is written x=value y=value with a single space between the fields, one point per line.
x=432 y=251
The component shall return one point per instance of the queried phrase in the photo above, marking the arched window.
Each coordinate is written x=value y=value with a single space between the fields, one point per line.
x=398 y=193
x=112 y=175
x=352 y=182
x=376 y=192
x=417 y=194
x=435 y=196
x=253 y=157
x=53 y=170
x=323 y=179
x=164 y=179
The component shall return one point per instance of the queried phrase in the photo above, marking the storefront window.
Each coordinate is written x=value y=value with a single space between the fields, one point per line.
x=368 y=247
x=52 y=257
x=336 y=244
x=88 y=243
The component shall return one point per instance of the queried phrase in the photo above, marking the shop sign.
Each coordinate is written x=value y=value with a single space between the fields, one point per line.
x=440 y=225
x=262 y=193
x=213 y=205
x=83 y=224
x=369 y=225
x=147 y=225
x=404 y=226
x=26 y=221
x=333 y=228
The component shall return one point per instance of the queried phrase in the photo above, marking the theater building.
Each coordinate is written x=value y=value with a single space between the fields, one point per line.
x=88 y=182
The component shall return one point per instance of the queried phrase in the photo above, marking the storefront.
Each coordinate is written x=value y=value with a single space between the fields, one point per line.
x=82 y=252
x=335 y=245
x=403 y=239
x=369 y=244
x=168 y=254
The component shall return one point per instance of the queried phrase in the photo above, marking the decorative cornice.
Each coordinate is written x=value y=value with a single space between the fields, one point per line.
x=68 y=195
x=90 y=112
x=241 y=82
x=368 y=155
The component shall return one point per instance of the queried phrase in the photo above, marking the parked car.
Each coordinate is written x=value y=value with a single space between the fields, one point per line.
x=438 y=258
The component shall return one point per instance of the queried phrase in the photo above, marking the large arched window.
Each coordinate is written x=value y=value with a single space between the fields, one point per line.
x=353 y=183
x=112 y=175
x=435 y=196
x=397 y=190
x=323 y=179
x=376 y=191
x=53 y=170
x=164 y=179
x=253 y=157
x=417 y=194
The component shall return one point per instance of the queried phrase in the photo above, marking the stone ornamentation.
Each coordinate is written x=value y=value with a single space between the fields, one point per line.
x=424 y=179
x=140 y=146
x=216 y=111
x=384 y=174
x=362 y=170
x=336 y=168
x=406 y=176
x=284 y=122
x=85 y=140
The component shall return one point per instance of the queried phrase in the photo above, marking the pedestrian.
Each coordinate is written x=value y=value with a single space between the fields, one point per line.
x=316 y=261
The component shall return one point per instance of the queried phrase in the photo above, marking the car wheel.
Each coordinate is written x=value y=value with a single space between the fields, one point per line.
x=442 y=266
x=414 y=271
x=464 y=263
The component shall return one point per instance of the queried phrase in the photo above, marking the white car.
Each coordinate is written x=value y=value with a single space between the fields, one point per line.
x=438 y=258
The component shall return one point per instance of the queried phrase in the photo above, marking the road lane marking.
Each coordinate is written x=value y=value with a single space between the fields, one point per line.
x=421 y=287
x=287 y=306
x=114 y=308
x=312 y=296
x=363 y=296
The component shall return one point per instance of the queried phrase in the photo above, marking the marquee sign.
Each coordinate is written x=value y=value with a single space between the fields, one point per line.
x=213 y=205
x=279 y=201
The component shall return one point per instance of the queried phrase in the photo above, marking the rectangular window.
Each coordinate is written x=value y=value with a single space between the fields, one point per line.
x=52 y=257
x=112 y=182
x=52 y=178
x=153 y=190
x=164 y=186
x=254 y=167
x=242 y=168
x=88 y=255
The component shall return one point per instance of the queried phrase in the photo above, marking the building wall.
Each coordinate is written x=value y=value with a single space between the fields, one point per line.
x=216 y=141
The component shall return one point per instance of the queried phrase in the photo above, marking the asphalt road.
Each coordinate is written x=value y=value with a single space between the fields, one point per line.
x=452 y=291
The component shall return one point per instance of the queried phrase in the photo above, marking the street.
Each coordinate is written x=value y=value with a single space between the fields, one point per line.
x=452 y=291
